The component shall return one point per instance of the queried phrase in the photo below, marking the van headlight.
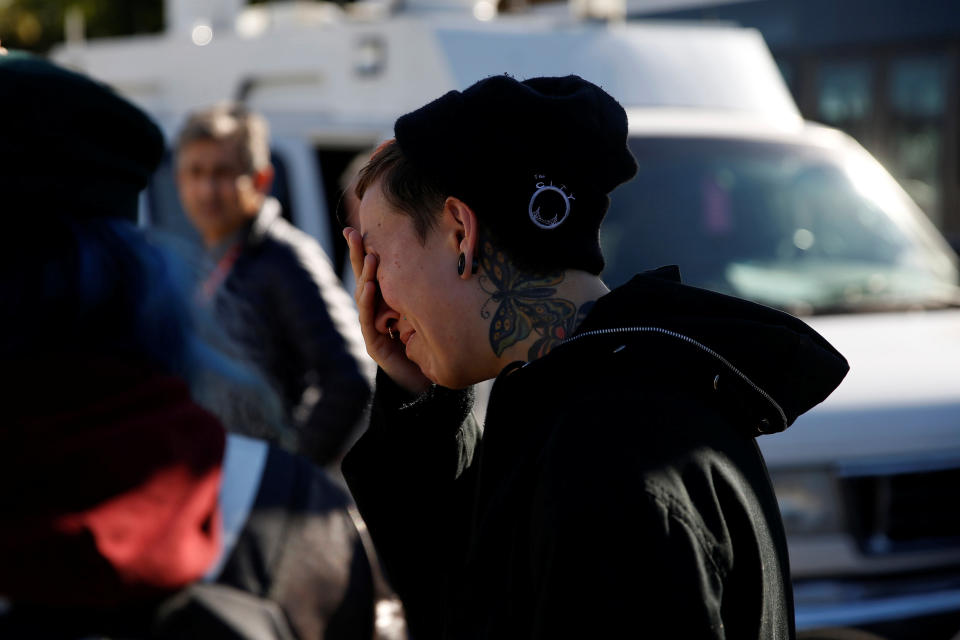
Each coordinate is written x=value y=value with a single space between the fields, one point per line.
x=809 y=501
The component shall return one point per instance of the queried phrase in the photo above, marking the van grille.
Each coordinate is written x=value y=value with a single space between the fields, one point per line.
x=904 y=511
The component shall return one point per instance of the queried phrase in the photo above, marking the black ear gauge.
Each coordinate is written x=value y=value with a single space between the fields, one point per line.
x=462 y=264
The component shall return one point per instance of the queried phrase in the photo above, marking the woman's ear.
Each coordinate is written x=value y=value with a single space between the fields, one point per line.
x=465 y=234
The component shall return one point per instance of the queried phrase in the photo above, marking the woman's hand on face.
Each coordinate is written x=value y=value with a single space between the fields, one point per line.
x=388 y=353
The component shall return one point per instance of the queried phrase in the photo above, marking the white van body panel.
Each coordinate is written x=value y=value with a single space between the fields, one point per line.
x=904 y=378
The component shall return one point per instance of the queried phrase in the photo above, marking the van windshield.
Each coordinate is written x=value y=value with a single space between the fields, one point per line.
x=802 y=228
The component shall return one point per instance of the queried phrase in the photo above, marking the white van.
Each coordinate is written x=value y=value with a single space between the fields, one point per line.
x=733 y=186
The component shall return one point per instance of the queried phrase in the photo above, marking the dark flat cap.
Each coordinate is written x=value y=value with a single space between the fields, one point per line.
x=70 y=145
x=535 y=159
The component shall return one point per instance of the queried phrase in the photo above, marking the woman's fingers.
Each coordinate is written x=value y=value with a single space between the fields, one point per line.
x=388 y=353
x=355 y=245
x=359 y=261
x=369 y=268
x=364 y=272
x=366 y=306
x=367 y=299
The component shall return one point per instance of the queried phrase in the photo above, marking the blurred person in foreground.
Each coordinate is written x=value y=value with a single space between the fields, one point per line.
x=127 y=511
x=272 y=286
x=616 y=488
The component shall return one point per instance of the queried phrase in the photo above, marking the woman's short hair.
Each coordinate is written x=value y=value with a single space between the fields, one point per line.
x=405 y=187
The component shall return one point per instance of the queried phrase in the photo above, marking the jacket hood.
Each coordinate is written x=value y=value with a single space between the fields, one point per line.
x=772 y=366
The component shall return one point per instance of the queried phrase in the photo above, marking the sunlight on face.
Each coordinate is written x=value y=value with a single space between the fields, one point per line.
x=421 y=297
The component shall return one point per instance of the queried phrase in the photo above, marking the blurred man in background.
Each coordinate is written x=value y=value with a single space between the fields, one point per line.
x=272 y=286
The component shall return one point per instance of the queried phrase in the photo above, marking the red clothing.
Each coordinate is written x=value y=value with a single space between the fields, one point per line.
x=109 y=476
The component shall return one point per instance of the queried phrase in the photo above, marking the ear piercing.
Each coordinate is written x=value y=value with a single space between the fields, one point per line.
x=462 y=264
x=390 y=333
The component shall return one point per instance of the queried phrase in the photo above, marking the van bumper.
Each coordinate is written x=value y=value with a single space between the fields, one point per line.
x=874 y=603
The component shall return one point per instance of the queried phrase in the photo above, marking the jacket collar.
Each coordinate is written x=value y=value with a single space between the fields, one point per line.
x=267 y=215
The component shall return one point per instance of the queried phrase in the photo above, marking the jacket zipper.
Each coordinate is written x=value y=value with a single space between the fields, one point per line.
x=691 y=341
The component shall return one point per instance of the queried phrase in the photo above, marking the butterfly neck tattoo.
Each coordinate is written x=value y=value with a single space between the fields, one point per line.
x=525 y=303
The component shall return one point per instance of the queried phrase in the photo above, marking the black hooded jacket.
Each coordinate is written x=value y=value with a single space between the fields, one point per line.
x=617 y=489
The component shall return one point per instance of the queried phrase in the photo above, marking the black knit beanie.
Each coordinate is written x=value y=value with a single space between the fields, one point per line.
x=70 y=146
x=535 y=160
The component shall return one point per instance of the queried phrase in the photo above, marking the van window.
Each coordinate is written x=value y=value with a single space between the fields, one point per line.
x=806 y=229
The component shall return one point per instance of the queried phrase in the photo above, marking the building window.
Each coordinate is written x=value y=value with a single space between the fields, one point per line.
x=917 y=97
x=845 y=95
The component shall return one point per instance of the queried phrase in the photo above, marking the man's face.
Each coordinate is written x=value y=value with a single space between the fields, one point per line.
x=216 y=191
